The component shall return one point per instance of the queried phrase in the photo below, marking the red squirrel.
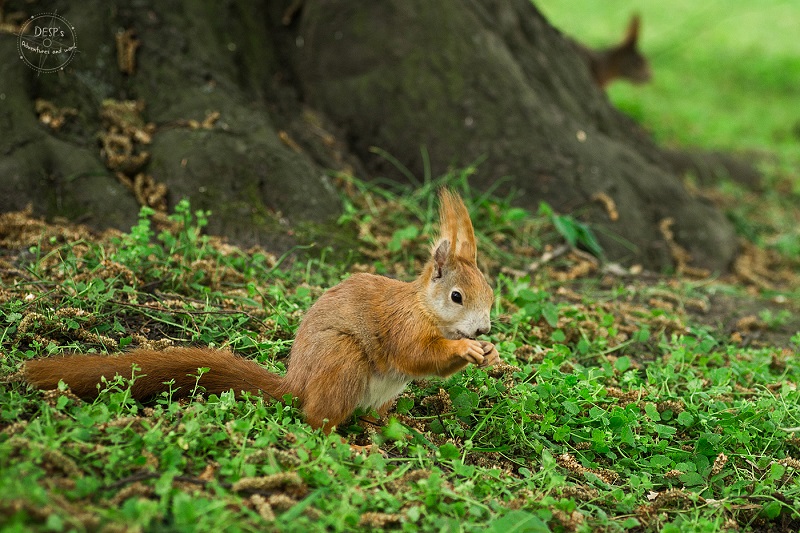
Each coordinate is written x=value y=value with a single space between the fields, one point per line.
x=357 y=346
x=623 y=61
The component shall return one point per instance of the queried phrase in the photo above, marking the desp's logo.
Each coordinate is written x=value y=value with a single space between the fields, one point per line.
x=47 y=42
x=44 y=31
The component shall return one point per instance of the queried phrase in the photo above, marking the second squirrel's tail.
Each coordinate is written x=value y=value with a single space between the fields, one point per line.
x=82 y=373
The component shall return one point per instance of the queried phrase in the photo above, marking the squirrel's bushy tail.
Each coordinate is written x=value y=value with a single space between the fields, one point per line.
x=226 y=371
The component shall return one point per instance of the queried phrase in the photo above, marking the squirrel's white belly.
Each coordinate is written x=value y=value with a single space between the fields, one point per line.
x=382 y=388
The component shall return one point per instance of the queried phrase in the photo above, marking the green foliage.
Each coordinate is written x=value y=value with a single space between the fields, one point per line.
x=143 y=251
x=396 y=223
x=612 y=414
x=574 y=232
x=611 y=417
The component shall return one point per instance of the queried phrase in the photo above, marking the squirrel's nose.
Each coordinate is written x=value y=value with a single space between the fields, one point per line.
x=482 y=331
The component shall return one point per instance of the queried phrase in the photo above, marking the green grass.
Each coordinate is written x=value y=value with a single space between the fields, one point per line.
x=614 y=410
x=724 y=74
x=625 y=403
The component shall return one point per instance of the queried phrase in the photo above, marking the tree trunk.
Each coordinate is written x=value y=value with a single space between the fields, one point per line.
x=305 y=86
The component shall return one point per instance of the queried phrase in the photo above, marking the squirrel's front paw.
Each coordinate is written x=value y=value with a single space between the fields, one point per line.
x=472 y=351
x=490 y=355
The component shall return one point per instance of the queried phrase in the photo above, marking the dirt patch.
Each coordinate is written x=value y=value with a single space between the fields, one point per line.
x=752 y=321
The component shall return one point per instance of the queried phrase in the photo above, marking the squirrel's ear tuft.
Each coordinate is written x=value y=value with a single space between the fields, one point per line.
x=456 y=225
x=632 y=34
x=441 y=254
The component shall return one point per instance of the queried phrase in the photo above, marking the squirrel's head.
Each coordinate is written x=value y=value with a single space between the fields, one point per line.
x=456 y=291
x=630 y=63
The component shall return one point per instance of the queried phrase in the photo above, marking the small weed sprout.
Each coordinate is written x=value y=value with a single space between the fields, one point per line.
x=197 y=389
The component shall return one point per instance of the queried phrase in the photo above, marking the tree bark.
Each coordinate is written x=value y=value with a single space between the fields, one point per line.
x=491 y=78
x=306 y=86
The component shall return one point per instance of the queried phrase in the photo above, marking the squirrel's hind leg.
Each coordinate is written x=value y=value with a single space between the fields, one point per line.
x=335 y=390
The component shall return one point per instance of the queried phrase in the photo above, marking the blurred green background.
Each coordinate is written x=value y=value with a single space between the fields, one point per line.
x=726 y=75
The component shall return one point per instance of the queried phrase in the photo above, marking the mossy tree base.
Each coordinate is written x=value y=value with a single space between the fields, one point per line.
x=464 y=79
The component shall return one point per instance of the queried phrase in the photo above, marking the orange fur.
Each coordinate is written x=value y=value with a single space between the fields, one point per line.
x=357 y=346
x=456 y=225
x=226 y=371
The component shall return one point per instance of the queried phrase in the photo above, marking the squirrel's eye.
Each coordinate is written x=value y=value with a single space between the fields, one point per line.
x=456 y=297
